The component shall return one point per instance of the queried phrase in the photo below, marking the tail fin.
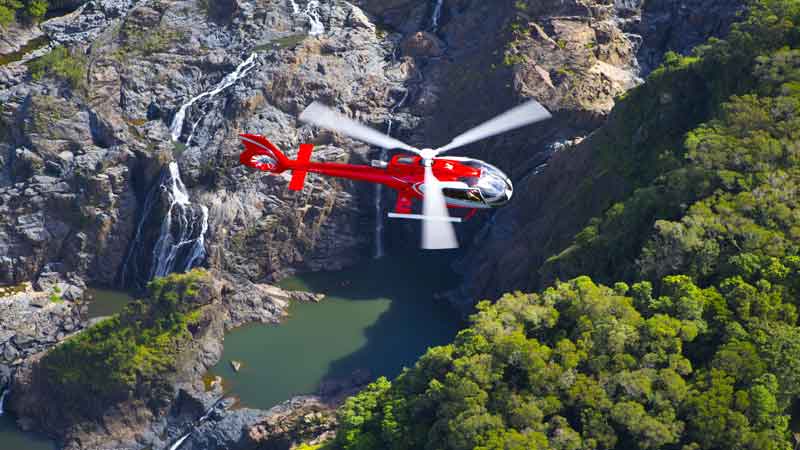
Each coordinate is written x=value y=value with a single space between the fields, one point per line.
x=262 y=154
x=299 y=176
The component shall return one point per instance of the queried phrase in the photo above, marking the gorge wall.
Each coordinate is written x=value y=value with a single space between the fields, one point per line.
x=84 y=150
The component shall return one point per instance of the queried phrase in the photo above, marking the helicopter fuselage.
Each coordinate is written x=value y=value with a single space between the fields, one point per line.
x=465 y=182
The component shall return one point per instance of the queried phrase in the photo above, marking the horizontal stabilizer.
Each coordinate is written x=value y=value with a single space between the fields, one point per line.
x=423 y=217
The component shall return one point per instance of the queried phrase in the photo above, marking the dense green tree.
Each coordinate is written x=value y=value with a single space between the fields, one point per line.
x=698 y=347
x=129 y=355
x=8 y=9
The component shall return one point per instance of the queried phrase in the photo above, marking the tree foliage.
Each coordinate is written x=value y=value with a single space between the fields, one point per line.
x=129 y=355
x=26 y=11
x=699 y=346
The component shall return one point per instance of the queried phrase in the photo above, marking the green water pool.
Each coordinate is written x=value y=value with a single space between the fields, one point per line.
x=377 y=317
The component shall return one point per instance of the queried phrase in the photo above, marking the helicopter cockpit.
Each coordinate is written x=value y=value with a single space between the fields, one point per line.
x=476 y=184
x=493 y=186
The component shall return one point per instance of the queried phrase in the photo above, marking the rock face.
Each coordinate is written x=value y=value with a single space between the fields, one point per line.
x=81 y=160
x=32 y=321
x=574 y=57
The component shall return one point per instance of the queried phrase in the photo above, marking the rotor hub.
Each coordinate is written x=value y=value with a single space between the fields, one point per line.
x=427 y=155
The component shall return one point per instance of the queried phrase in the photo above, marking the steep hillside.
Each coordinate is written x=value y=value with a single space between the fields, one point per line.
x=696 y=342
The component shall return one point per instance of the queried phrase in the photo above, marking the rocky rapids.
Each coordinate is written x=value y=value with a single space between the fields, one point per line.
x=131 y=169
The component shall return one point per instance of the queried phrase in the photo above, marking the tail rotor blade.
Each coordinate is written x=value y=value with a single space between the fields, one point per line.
x=525 y=114
x=324 y=117
x=436 y=234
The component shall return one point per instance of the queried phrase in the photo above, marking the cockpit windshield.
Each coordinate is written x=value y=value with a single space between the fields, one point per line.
x=492 y=186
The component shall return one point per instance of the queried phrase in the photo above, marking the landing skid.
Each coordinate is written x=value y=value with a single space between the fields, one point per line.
x=423 y=217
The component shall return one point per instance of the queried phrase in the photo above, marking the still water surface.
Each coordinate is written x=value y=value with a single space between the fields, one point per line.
x=107 y=302
x=378 y=316
x=11 y=438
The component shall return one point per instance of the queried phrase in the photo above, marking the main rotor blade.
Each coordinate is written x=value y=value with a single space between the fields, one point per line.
x=324 y=117
x=525 y=114
x=436 y=233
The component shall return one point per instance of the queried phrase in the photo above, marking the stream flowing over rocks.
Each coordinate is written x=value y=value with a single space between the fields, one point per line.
x=133 y=171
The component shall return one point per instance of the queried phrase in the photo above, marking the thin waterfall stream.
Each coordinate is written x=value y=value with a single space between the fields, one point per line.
x=437 y=15
x=176 y=128
x=202 y=419
x=379 y=219
x=3 y=399
x=310 y=12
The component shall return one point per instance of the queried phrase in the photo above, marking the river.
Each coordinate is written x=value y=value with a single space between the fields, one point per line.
x=378 y=316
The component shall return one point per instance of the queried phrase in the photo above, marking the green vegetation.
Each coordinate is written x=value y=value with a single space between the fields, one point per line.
x=699 y=346
x=290 y=41
x=130 y=355
x=68 y=65
x=692 y=183
x=33 y=44
x=55 y=296
x=26 y=11
x=323 y=446
x=138 y=40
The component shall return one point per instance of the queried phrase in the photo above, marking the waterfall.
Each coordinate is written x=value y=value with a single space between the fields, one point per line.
x=379 y=224
x=176 y=128
x=183 y=236
x=180 y=441
x=205 y=416
x=311 y=12
x=181 y=242
x=195 y=424
x=437 y=14
x=2 y=400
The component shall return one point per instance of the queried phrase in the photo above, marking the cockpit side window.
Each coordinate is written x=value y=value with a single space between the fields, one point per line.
x=406 y=160
x=471 y=195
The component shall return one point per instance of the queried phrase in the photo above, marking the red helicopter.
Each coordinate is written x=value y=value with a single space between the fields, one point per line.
x=441 y=183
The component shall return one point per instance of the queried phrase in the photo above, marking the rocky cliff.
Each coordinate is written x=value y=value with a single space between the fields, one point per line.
x=84 y=155
x=126 y=145
x=576 y=58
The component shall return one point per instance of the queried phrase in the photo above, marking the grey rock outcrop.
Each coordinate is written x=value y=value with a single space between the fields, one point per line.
x=32 y=321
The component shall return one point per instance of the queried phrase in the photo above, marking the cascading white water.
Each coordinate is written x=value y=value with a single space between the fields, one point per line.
x=198 y=251
x=202 y=419
x=186 y=239
x=2 y=400
x=182 y=238
x=437 y=14
x=379 y=251
x=311 y=12
x=176 y=128
x=180 y=441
